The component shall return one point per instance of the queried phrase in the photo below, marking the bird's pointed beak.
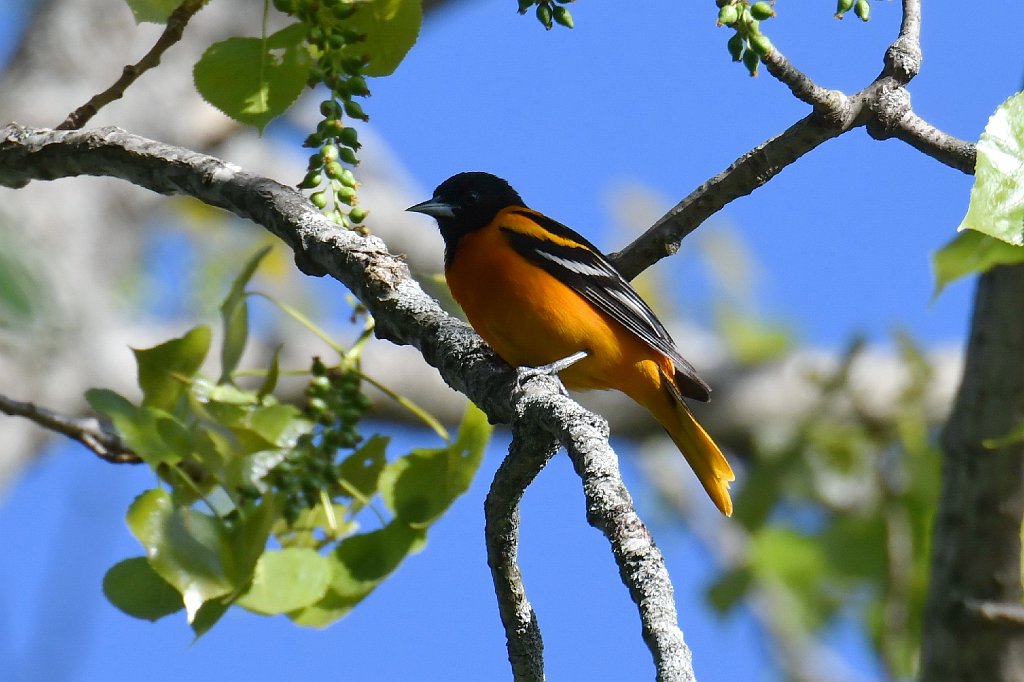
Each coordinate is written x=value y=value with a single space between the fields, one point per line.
x=433 y=208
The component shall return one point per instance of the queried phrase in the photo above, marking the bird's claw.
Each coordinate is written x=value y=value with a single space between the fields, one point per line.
x=552 y=369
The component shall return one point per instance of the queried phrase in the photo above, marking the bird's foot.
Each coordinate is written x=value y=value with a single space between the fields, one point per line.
x=552 y=370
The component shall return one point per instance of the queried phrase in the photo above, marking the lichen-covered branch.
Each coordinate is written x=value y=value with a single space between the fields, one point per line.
x=529 y=452
x=610 y=510
x=404 y=314
x=86 y=430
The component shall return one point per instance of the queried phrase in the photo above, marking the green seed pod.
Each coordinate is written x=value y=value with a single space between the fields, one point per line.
x=751 y=60
x=357 y=86
x=333 y=169
x=842 y=7
x=862 y=9
x=318 y=369
x=753 y=25
x=311 y=181
x=760 y=44
x=344 y=10
x=347 y=178
x=348 y=156
x=319 y=199
x=353 y=66
x=735 y=46
x=329 y=152
x=563 y=16
x=544 y=16
x=357 y=214
x=525 y=5
x=314 y=140
x=316 y=406
x=320 y=384
x=761 y=10
x=350 y=138
x=315 y=161
x=345 y=195
x=352 y=36
x=355 y=111
x=728 y=15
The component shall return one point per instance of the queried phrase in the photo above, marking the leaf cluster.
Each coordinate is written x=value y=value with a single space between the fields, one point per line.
x=262 y=503
x=838 y=514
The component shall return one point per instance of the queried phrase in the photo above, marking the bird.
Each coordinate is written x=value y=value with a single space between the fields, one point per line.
x=538 y=292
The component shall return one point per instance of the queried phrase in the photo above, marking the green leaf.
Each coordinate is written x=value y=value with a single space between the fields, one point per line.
x=362 y=468
x=134 y=587
x=250 y=80
x=391 y=28
x=797 y=562
x=997 y=198
x=249 y=537
x=728 y=589
x=279 y=424
x=287 y=580
x=419 y=487
x=207 y=616
x=752 y=341
x=359 y=564
x=139 y=427
x=970 y=252
x=183 y=546
x=155 y=11
x=234 y=312
x=22 y=292
x=273 y=373
x=164 y=368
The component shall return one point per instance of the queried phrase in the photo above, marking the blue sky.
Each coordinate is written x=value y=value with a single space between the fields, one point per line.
x=638 y=92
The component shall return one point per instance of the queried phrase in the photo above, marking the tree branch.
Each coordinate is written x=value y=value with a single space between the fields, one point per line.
x=926 y=138
x=883 y=107
x=610 y=510
x=527 y=455
x=746 y=174
x=86 y=430
x=976 y=555
x=404 y=314
x=176 y=24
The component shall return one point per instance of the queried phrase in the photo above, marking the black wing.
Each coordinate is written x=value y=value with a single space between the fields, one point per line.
x=586 y=271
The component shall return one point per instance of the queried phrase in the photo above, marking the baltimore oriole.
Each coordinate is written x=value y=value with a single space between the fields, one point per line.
x=538 y=292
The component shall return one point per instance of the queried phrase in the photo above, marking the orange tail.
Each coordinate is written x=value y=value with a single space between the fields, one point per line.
x=662 y=397
x=703 y=455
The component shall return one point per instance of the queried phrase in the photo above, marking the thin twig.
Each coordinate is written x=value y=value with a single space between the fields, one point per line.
x=86 y=430
x=923 y=136
x=903 y=58
x=996 y=613
x=526 y=457
x=883 y=107
x=829 y=103
x=746 y=174
x=172 y=33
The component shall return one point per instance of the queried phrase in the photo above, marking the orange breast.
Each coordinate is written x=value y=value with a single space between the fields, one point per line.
x=530 y=318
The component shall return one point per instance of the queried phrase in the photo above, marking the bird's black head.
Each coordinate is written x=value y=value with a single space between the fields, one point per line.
x=467 y=202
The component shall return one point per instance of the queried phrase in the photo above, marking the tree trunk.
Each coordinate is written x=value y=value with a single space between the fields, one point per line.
x=974 y=621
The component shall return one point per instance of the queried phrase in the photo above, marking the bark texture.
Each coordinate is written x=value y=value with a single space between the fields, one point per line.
x=976 y=562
